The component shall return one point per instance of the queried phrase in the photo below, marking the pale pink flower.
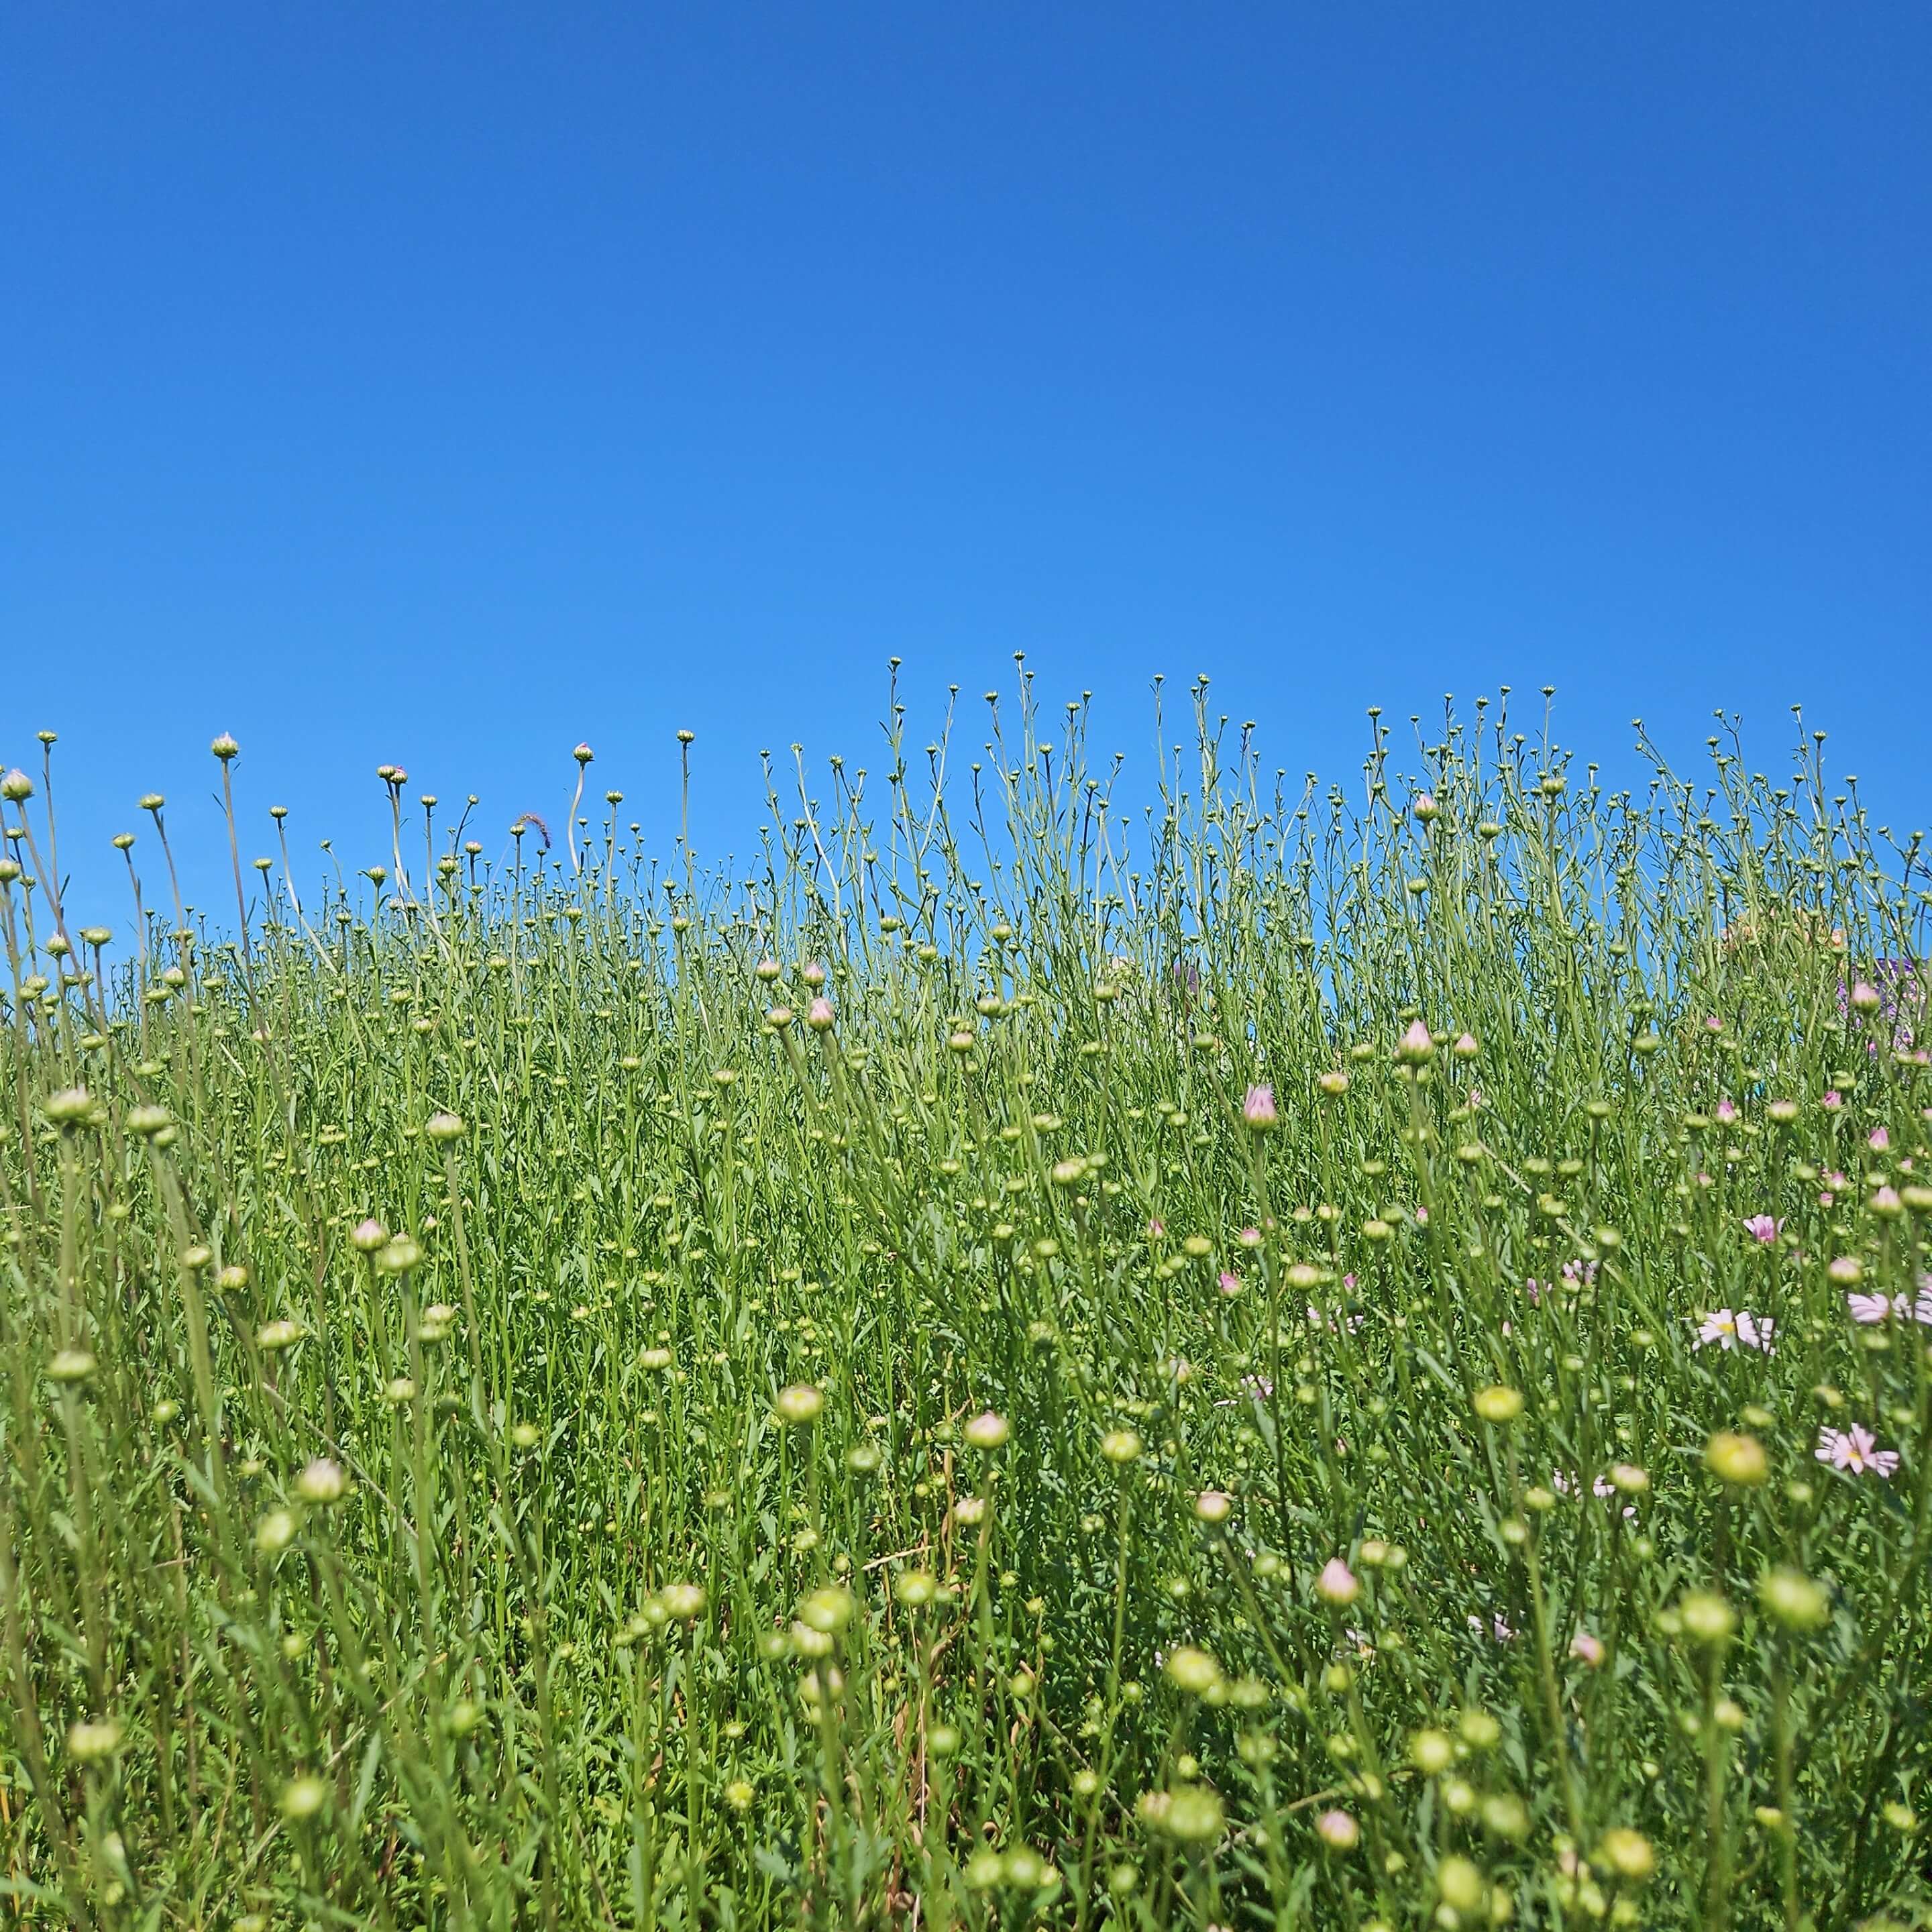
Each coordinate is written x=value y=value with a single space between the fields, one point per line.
x=1502 y=1632
x=1231 y=1284
x=1730 y=1330
x=1856 y=1449
x=1586 y=1648
x=1422 y=1217
x=1727 y=1112
x=1763 y=1228
x=1712 y=1024
x=1832 y=1101
x=1157 y=1229
x=1258 y=1109
x=1879 y=1140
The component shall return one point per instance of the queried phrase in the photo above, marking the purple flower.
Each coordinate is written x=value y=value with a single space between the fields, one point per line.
x=1258 y=1109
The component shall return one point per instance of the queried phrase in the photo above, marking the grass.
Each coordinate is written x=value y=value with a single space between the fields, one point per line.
x=1007 y=1367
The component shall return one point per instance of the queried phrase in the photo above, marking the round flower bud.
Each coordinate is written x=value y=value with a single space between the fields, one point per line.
x=398 y=1254
x=1736 y=1459
x=1458 y=1884
x=1626 y=1479
x=145 y=1122
x=274 y=1336
x=1258 y=1109
x=304 y=1797
x=1213 y=1505
x=1337 y=1584
x=444 y=1127
x=70 y=1107
x=684 y=1603
x=1190 y=1813
x=91 y=1743
x=1194 y=1671
x=987 y=1431
x=1627 y=1853
x=368 y=1236
x=321 y=1482
x=275 y=1532
x=1120 y=1446
x=1334 y=1083
x=1338 y=1830
x=799 y=1404
x=225 y=747
x=1432 y=1752
x=1497 y=1403
x=70 y=1366
x=1706 y=1618
x=1790 y=1598
x=1415 y=1048
x=827 y=1609
x=818 y=1015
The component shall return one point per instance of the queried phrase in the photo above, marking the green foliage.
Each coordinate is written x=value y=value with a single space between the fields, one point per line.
x=1354 y=1368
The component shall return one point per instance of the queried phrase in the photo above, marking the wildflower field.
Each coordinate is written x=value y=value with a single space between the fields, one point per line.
x=1293 y=1358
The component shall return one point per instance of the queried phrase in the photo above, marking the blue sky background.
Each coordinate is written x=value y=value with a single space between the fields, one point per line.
x=444 y=384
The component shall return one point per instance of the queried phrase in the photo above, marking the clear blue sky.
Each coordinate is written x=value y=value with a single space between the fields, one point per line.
x=444 y=384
